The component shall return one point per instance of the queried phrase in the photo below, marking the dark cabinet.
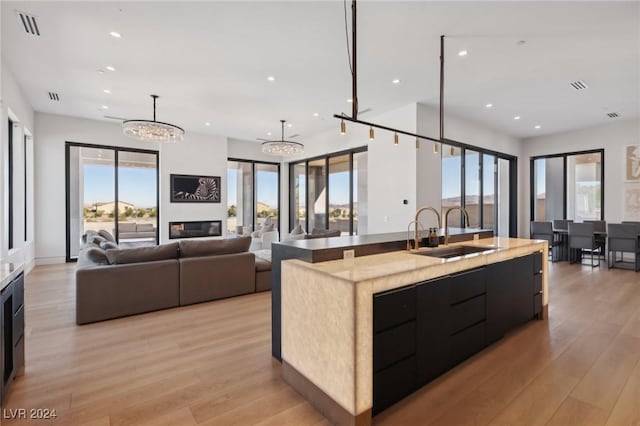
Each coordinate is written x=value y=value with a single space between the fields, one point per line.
x=423 y=330
x=12 y=329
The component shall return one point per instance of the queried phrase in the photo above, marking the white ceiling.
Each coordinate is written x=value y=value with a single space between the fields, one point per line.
x=209 y=61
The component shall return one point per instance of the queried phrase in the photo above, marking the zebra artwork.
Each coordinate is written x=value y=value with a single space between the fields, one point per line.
x=194 y=189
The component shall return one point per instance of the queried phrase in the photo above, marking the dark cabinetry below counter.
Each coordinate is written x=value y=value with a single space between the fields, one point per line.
x=12 y=333
x=423 y=330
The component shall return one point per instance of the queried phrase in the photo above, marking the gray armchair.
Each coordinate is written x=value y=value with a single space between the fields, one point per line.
x=582 y=241
x=623 y=238
x=600 y=230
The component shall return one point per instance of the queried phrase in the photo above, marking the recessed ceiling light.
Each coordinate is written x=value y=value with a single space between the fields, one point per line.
x=396 y=81
x=462 y=53
x=115 y=34
x=289 y=125
x=315 y=114
x=268 y=133
x=107 y=91
x=537 y=126
x=271 y=78
x=110 y=68
x=207 y=124
x=349 y=100
x=517 y=117
x=489 y=106
x=104 y=107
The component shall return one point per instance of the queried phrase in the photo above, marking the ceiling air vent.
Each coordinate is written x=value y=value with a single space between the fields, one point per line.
x=579 y=85
x=29 y=23
x=294 y=135
x=54 y=96
x=612 y=115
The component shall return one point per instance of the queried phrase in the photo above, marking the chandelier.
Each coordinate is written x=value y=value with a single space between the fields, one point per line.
x=282 y=147
x=152 y=130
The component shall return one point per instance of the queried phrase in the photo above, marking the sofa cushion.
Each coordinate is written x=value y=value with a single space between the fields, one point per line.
x=87 y=238
x=97 y=239
x=106 y=245
x=196 y=248
x=96 y=255
x=297 y=231
x=143 y=254
x=262 y=265
x=127 y=227
x=144 y=227
x=106 y=235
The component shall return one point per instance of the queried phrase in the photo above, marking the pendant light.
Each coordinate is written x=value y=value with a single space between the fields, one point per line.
x=152 y=130
x=282 y=147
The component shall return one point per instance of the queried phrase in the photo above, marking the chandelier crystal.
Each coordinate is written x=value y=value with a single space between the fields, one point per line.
x=282 y=147
x=152 y=130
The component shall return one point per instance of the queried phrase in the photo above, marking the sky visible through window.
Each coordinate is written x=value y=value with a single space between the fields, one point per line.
x=137 y=185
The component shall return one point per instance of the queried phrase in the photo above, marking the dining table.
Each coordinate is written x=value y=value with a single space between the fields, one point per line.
x=561 y=252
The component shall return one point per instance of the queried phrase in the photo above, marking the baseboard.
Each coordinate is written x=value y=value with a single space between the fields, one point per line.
x=50 y=260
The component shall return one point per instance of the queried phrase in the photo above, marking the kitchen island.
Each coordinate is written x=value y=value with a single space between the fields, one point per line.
x=360 y=334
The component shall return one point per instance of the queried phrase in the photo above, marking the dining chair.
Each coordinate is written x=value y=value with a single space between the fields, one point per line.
x=582 y=240
x=600 y=230
x=561 y=223
x=624 y=238
x=544 y=231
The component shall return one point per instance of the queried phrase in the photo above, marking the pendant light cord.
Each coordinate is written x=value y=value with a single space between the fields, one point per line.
x=346 y=33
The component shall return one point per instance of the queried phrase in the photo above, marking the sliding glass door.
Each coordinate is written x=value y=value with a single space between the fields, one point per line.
x=112 y=189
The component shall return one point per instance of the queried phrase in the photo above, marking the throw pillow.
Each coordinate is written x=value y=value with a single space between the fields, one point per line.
x=268 y=228
x=106 y=235
x=143 y=254
x=297 y=230
x=96 y=255
x=214 y=247
x=107 y=245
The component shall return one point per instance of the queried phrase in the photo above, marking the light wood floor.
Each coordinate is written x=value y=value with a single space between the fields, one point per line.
x=211 y=364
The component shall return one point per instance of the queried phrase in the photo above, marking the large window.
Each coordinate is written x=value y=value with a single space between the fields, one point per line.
x=330 y=192
x=114 y=189
x=568 y=186
x=253 y=195
x=483 y=183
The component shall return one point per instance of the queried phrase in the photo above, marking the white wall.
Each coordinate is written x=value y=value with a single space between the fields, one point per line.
x=198 y=154
x=16 y=107
x=613 y=138
x=391 y=169
x=429 y=171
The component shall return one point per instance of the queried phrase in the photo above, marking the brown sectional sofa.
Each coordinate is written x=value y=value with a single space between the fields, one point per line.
x=119 y=282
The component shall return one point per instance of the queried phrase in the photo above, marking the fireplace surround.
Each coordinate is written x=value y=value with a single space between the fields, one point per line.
x=195 y=229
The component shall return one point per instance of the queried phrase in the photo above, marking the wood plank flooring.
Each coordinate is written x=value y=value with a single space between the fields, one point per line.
x=210 y=364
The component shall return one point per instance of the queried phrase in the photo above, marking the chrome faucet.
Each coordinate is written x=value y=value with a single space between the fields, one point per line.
x=416 y=236
x=446 y=222
x=417 y=224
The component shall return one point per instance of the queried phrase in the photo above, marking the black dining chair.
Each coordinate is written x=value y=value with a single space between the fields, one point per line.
x=600 y=231
x=624 y=238
x=544 y=231
x=583 y=241
x=561 y=223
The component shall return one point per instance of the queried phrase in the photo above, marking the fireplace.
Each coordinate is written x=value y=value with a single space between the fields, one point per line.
x=195 y=229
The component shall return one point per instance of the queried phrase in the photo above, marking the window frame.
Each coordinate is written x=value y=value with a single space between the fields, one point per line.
x=254 y=188
x=325 y=157
x=564 y=156
x=10 y=181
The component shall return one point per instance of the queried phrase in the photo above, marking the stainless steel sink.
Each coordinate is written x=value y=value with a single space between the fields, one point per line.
x=453 y=251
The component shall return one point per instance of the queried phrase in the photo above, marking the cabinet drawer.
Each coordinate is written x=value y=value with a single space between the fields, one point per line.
x=537 y=303
x=393 y=384
x=18 y=325
x=393 y=307
x=466 y=285
x=467 y=343
x=18 y=293
x=537 y=263
x=537 y=284
x=467 y=313
x=393 y=345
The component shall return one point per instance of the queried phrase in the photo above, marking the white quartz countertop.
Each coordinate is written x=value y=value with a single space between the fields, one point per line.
x=383 y=265
x=8 y=272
